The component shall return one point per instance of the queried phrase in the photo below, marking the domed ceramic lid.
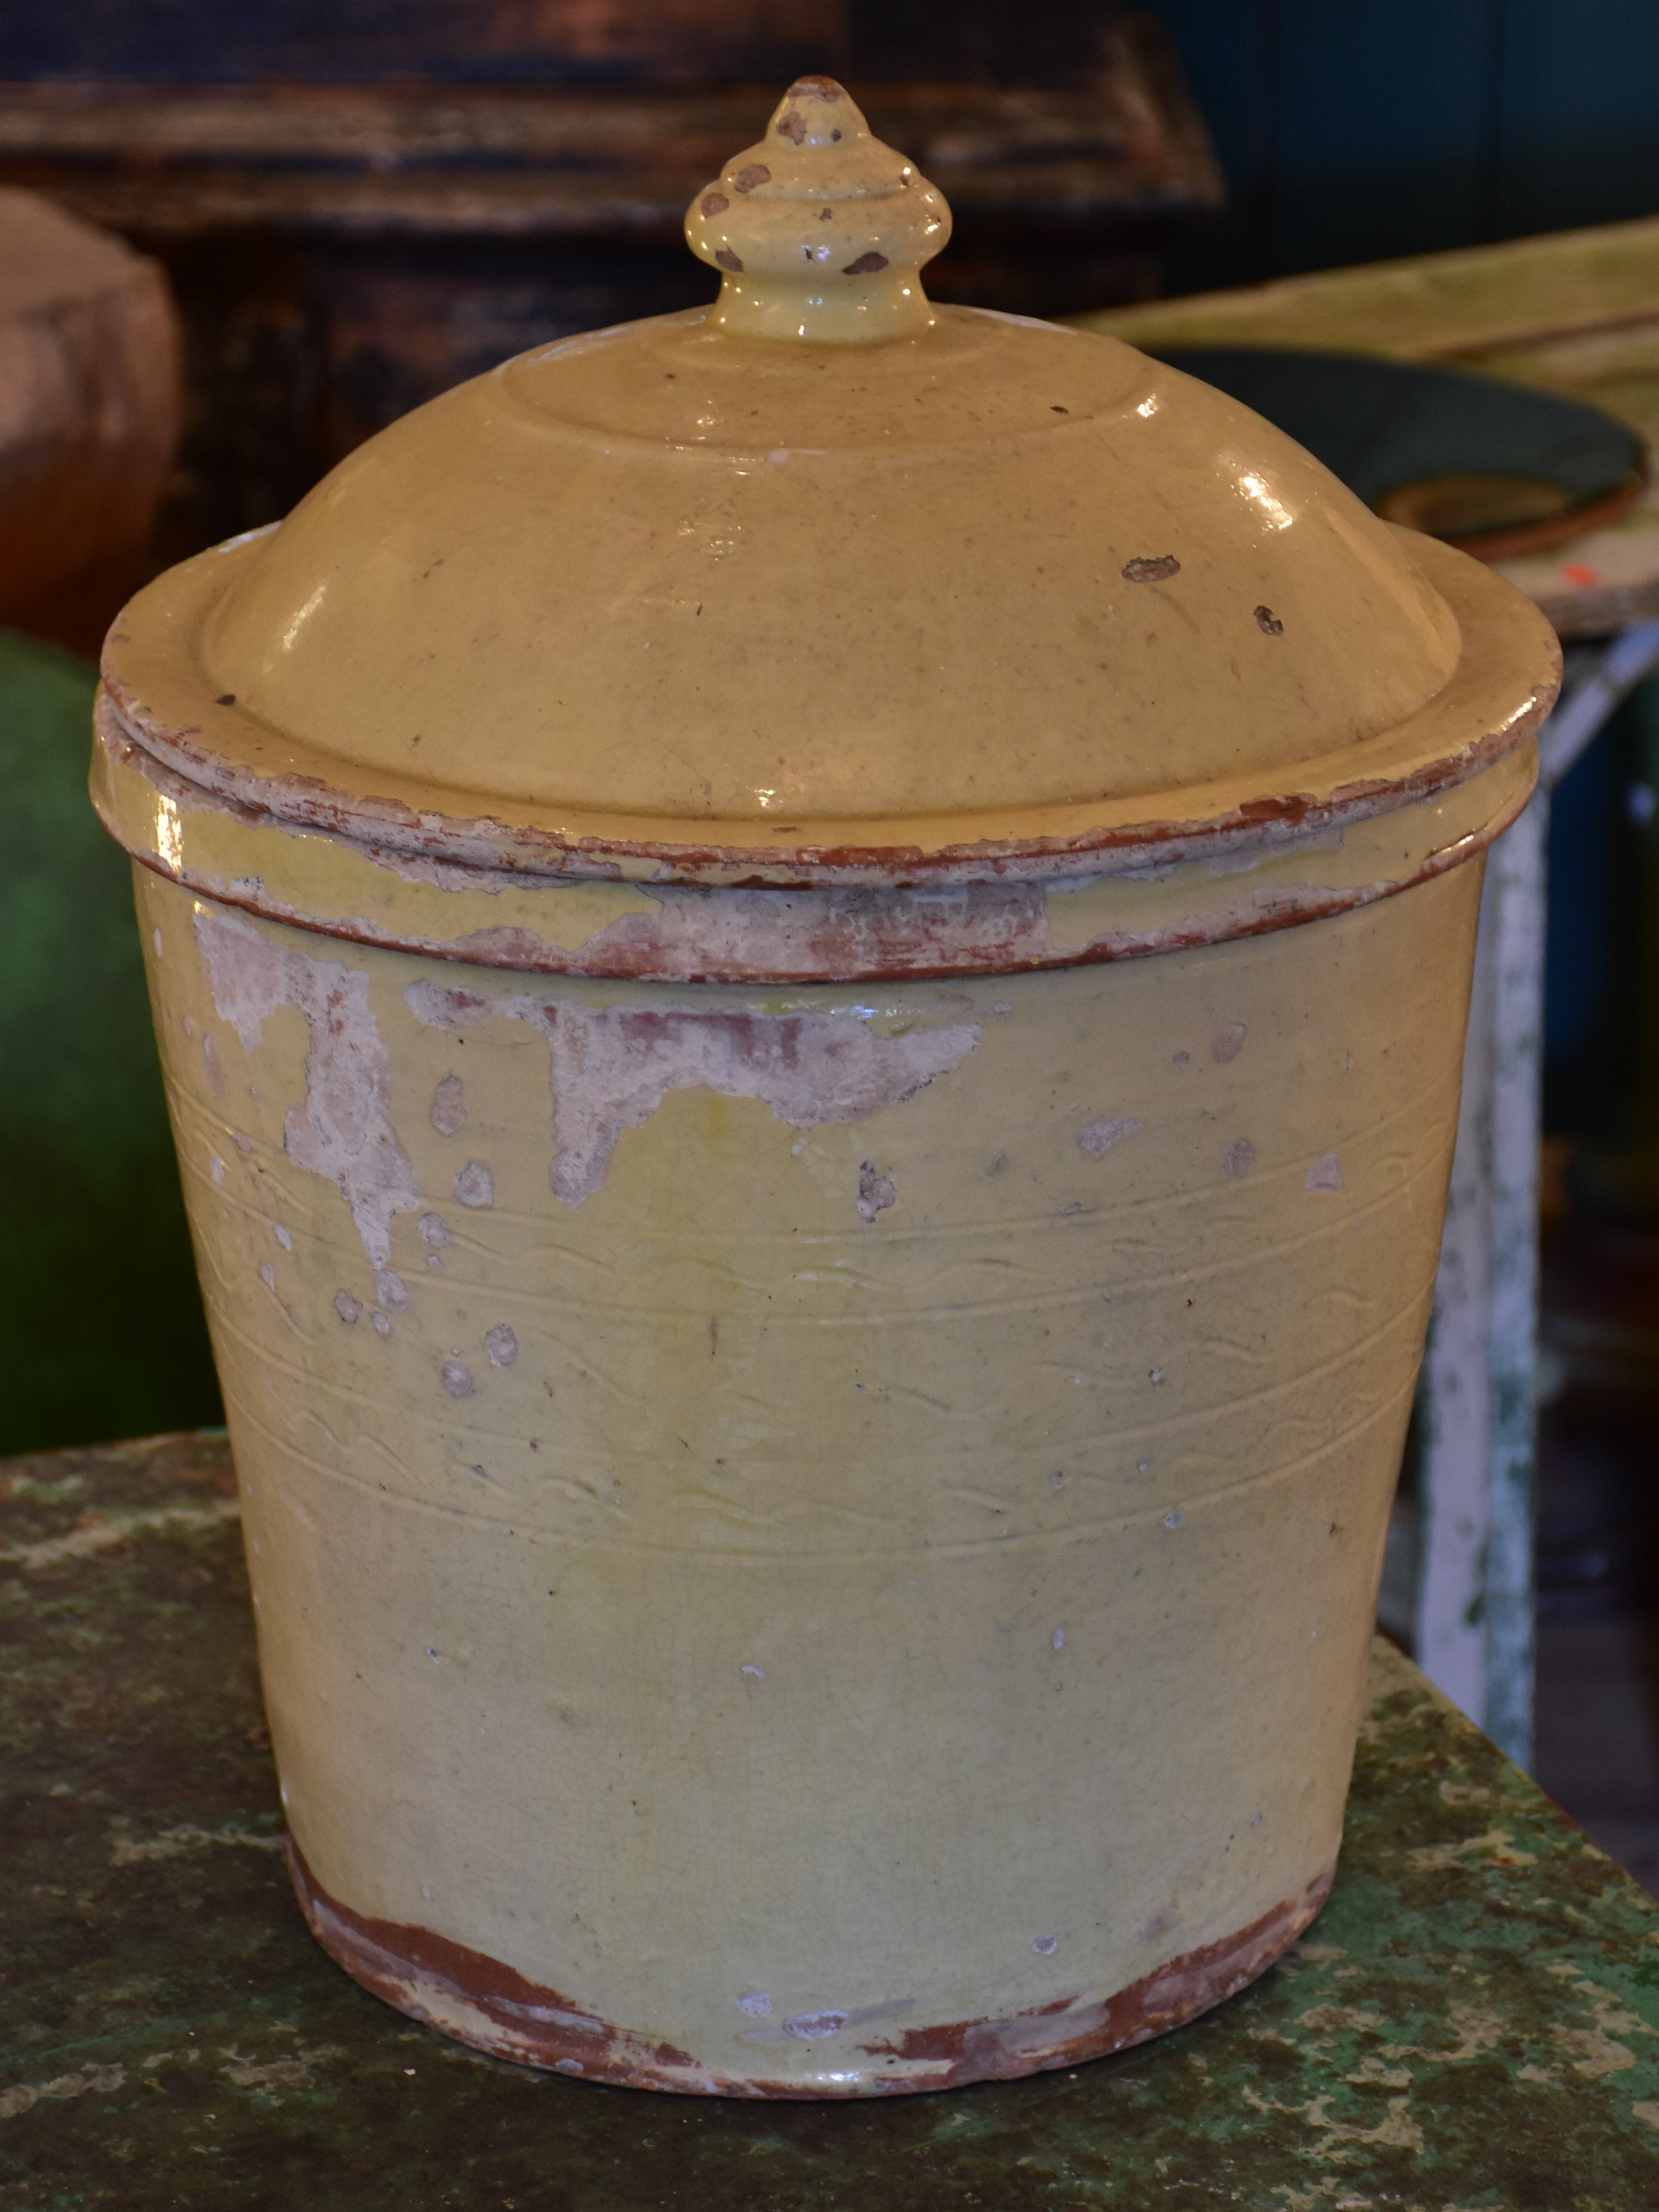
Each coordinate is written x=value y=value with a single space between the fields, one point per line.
x=822 y=576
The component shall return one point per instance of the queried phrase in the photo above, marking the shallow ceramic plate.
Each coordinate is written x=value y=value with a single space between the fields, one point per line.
x=1493 y=468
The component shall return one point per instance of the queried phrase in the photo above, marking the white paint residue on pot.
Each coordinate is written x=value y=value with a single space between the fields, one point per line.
x=876 y=1192
x=613 y=1066
x=474 y=1186
x=449 y=1107
x=1097 y=1138
x=341 y=1132
x=1325 y=1173
x=441 y=1007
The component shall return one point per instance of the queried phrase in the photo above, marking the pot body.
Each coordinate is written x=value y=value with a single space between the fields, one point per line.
x=820 y=1540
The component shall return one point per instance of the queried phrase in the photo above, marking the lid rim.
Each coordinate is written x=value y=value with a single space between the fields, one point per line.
x=1502 y=658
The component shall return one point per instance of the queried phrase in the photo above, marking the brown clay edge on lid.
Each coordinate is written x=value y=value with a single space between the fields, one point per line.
x=1488 y=711
x=702 y=933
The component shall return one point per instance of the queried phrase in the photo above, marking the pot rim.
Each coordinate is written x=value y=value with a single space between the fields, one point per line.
x=316 y=881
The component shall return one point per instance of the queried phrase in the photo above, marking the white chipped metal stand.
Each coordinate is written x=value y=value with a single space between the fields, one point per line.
x=1473 y=1600
x=1577 y=313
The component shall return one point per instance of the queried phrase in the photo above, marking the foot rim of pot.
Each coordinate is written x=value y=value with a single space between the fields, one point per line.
x=475 y=1999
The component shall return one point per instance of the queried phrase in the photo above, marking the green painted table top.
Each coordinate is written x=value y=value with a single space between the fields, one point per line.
x=1472 y=2022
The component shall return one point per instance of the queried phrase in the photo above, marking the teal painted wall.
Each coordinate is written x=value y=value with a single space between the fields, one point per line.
x=1359 y=129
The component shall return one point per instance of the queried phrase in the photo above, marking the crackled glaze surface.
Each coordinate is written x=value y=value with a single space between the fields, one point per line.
x=869 y=1500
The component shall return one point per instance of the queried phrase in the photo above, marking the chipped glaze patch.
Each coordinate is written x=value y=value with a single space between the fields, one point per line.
x=876 y=1192
x=474 y=1186
x=612 y=1067
x=448 y=1110
x=341 y=1130
x=1097 y=1138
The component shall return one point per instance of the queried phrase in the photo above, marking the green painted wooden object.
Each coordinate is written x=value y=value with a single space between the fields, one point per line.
x=1472 y=2025
x=101 y=1332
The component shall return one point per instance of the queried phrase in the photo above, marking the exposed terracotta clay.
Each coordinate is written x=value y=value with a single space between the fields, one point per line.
x=478 y=2001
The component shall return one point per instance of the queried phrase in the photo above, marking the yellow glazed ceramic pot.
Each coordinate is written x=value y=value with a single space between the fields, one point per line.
x=811 y=959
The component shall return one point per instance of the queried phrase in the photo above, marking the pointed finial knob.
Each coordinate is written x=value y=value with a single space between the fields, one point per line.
x=820 y=231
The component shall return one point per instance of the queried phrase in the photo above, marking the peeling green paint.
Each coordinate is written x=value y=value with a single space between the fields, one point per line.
x=1471 y=2026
